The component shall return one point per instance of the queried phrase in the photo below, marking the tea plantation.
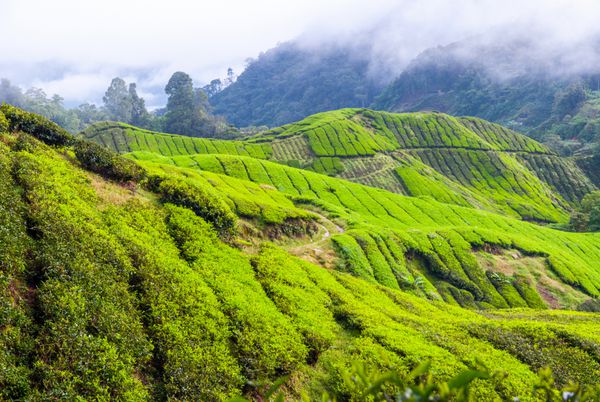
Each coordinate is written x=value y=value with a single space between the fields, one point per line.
x=169 y=276
x=461 y=161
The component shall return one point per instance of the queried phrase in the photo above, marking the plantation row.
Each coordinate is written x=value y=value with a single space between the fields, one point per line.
x=243 y=197
x=561 y=174
x=294 y=148
x=432 y=130
x=377 y=171
x=571 y=256
x=501 y=178
x=428 y=183
x=123 y=139
x=502 y=137
x=448 y=270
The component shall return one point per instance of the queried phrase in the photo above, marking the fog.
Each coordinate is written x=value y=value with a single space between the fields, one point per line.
x=74 y=48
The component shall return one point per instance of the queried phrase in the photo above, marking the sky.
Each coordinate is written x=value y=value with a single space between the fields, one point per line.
x=75 y=47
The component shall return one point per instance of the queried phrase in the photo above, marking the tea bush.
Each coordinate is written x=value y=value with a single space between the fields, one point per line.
x=36 y=125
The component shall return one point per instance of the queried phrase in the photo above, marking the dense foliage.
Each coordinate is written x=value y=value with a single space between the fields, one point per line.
x=101 y=160
x=587 y=217
x=42 y=129
x=291 y=82
x=113 y=294
x=461 y=161
x=121 y=103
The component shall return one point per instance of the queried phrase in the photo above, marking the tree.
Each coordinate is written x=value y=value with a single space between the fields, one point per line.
x=587 y=218
x=213 y=88
x=230 y=77
x=89 y=113
x=594 y=222
x=117 y=101
x=181 y=113
x=11 y=94
x=139 y=114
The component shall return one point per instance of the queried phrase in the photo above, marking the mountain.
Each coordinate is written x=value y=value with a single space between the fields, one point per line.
x=135 y=279
x=291 y=81
x=500 y=79
x=461 y=161
x=508 y=83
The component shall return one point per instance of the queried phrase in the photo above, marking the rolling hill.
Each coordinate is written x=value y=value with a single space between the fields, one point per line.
x=461 y=161
x=144 y=280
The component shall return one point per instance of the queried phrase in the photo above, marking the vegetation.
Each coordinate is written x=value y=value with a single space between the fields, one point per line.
x=460 y=161
x=121 y=103
x=587 y=218
x=98 y=159
x=440 y=235
x=558 y=108
x=289 y=83
x=42 y=129
x=117 y=293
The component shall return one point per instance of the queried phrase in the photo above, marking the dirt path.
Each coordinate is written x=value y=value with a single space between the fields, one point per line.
x=315 y=250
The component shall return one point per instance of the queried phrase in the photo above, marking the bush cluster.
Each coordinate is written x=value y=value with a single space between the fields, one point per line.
x=36 y=125
x=205 y=205
x=4 y=125
x=106 y=163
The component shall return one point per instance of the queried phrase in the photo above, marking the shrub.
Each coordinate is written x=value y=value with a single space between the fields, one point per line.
x=590 y=305
x=527 y=292
x=38 y=126
x=101 y=160
x=3 y=123
x=207 y=206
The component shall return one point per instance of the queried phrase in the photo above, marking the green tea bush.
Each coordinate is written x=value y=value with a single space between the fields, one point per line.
x=16 y=321
x=106 y=163
x=523 y=285
x=36 y=125
x=192 y=341
x=89 y=339
x=541 y=347
x=295 y=295
x=4 y=125
x=265 y=340
x=204 y=204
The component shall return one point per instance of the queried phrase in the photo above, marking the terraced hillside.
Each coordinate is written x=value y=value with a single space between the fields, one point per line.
x=461 y=255
x=462 y=161
x=120 y=283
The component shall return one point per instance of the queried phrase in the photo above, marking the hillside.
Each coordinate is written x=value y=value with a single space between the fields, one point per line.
x=532 y=95
x=291 y=81
x=461 y=161
x=170 y=279
x=159 y=283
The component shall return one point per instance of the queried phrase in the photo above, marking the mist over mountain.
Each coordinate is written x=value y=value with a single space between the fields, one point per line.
x=291 y=82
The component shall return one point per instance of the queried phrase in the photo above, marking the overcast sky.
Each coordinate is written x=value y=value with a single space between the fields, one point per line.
x=75 y=47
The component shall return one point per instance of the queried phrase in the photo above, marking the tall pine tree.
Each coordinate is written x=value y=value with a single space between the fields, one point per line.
x=181 y=113
x=117 y=101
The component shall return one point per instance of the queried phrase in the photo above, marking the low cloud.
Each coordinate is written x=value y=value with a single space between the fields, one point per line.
x=75 y=48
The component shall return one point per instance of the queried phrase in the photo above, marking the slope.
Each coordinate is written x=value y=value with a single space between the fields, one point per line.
x=463 y=161
x=510 y=83
x=292 y=81
x=390 y=239
x=113 y=290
